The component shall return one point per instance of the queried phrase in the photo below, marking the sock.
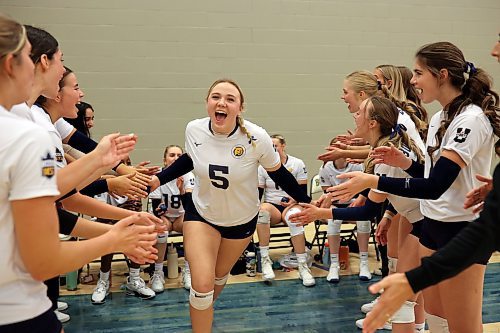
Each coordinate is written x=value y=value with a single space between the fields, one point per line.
x=363 y=256
x=302 y=258
x=264 y=251
x=134 y=273
x=158 y=267
x=186 y=265
x=104 y=276
x=334 y=258
x=419 y=328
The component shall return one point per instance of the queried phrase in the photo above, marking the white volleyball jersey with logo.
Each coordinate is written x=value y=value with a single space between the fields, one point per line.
x=470 y=135
x=273 y=193
x=328 y=174
x=225 y=169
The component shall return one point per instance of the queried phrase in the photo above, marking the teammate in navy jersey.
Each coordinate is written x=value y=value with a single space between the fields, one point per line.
x=224 y=152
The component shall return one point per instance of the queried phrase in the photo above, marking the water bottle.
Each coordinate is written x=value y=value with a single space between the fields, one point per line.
x=250 y=263
x=326 y=255
x=172 y=262
x=71 y=280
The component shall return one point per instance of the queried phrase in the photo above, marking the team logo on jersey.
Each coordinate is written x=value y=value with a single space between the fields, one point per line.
x=252 y=138
x=461 y=135
x=48 y=166
x=238 y=151
x=59 y=156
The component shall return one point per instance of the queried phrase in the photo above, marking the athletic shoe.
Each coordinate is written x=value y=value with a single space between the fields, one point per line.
x=305 y=275
x=186 y=278
x=364 y=271
x=62 y=317
x=267 y=268
x=61 y=306
x=333 y=274
x=365 y=308
x=138 y=288
x=100 y=292
x=387 y=325
x=158 y=282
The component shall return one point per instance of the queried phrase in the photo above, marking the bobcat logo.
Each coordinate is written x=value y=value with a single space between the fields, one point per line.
x=461 y=135
x=238 y=151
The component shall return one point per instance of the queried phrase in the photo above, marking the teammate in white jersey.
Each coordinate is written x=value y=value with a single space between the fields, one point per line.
x=224 y=151
x=328 y=177
x=171 y=195
x=459 y=145
x=28 y=221
x=276 y=208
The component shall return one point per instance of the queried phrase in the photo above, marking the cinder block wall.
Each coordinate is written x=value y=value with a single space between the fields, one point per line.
x=146 y=65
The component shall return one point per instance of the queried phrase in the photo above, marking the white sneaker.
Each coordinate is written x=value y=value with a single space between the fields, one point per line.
x=367 y=307
x=186 y=278
x=138 y=288
x=364 y=271
x=100 y=292
x=267 y=268
x=62 y=317
x=333 y=274
x=305 y=275
x=61 y=306
x=158 y=281
x=387 y=325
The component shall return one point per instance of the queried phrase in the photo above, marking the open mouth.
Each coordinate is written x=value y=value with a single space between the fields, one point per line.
x=220 y=115
x=419 y=91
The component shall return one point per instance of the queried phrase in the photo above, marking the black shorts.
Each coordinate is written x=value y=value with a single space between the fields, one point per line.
x=234 y=232
x=416 y=228
x=45 y=323
x=67 y=221
x=278 y=207
x=436 y=234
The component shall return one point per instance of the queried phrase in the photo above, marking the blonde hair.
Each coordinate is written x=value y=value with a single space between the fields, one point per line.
x=366 y=81
x=385 y=112
x=239 y=118
x=12 y=36
x=392 y=73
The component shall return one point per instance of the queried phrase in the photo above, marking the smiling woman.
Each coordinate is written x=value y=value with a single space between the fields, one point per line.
x=222 y=217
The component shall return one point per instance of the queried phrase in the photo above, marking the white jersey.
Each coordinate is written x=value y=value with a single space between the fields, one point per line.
x=27 y=171
x=225 y=169
x=63 y=128
x=43 y=119
x=23 y=111
x=273 y=193
x=408 y=207
x=470 y=135
x=405 y=120
x=171 y=195
x=328 y=174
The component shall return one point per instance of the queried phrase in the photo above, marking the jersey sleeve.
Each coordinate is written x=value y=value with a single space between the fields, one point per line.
x=188 y=181
x=34 y=173
x=63 y=128
x=467 y=135
x=302 y=170
x=382 y=170
x=268 y=156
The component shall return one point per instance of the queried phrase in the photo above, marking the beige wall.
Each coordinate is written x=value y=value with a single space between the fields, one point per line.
x=146 y=65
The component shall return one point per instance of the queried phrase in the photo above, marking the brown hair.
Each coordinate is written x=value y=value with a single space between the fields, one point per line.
x=474 y=83
x=171 y=146
x=385 y=112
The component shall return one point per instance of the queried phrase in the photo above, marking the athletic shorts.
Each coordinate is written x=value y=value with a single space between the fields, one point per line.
x=234 y=232
x=45 y=323
x=278 y=207
x=416 y=228
x=436 y=234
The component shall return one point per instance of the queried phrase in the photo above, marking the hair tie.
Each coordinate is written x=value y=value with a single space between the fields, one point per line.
x=379 y=85
x=398 y=129
x=469 y=68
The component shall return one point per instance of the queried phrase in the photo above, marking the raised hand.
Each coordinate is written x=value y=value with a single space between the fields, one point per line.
x=125 y=185
x=390 y=155
x=396 y=291
x=147 y=170
x=477 y=195
x=332 y=154
x=310 y=213
x=113 y=148
x=358 y=181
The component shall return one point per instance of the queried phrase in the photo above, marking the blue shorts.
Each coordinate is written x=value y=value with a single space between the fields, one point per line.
x=436 y=234
x=45 y=323
x=234 y=232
